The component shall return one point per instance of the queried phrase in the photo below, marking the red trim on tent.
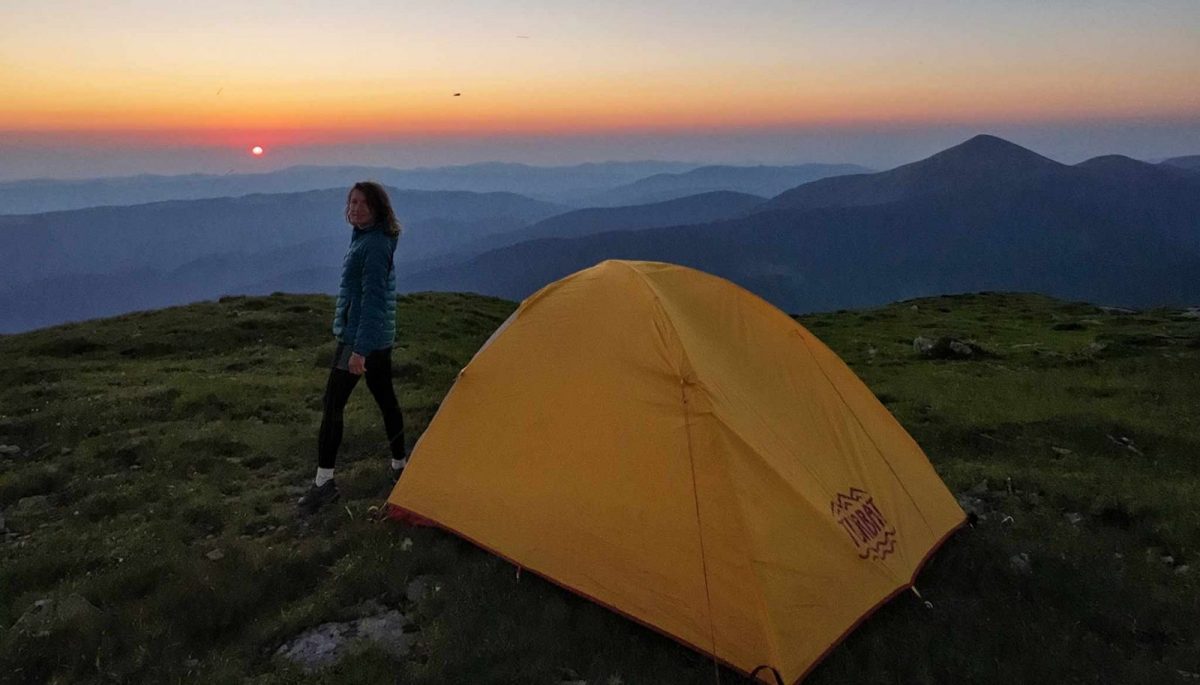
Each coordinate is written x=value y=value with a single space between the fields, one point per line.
x=410 y=517
x=405 y=516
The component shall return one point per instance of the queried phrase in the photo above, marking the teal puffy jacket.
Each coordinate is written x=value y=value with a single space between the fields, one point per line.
x=365 y=315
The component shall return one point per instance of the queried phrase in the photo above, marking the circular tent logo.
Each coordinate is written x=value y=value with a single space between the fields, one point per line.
x=857 y=514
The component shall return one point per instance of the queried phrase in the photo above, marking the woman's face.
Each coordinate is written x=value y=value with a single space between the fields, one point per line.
x=357 y=210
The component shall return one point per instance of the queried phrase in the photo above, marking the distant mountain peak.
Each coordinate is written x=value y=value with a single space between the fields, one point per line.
x=991 y=151
x=1115 y=163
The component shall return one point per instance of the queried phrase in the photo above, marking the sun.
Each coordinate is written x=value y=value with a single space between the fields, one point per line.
x=257 y=151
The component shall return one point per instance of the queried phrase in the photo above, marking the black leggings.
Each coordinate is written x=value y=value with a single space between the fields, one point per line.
x=337 y=393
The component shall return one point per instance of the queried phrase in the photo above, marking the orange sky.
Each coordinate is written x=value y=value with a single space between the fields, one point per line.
x=317 y=71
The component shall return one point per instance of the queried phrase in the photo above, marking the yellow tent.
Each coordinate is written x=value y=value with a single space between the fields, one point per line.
x=669 y=445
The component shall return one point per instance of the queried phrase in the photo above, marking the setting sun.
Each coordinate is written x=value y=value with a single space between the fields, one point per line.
x=256 y=150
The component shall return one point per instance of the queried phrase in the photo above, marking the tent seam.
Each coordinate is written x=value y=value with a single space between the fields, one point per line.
x=763 y=610
x=850 y=410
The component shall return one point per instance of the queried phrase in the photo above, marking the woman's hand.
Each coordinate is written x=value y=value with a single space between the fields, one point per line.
x=358 y=364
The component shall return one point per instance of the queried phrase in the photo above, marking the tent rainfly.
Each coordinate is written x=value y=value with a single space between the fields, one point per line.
x=663 y=442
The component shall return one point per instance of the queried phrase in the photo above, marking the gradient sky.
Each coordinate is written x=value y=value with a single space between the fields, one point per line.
x=90 y=88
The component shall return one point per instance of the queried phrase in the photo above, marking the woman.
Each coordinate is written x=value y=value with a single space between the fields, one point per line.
x=364 y=323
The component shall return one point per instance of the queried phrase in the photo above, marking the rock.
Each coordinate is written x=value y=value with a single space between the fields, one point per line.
x=1117 y=310
x=31 y=504
x=72 y=612
x=1167 y=559
x=1061 y=451
x=407 y=545
x=973 y=506
x=1074 y=518
x=419 y=588
x=948 y=348
x=387 y=631
x=922 y=346
x=980 y=488
x=9 y=449
x=1183 y=570
x=1191 y=313
x=1019 y=564
x=215 y=555
x=960 y=349
x=1125 y=442
x=329 y=642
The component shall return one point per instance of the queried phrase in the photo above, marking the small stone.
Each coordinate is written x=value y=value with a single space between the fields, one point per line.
x=9 y=449
x=1183 y=570
x=1061 y=451
x=328 y=642
x=407 y=545
x=1019 y=564
x=1074 y=518
x=980 y=488
x=922 y=345
x=1167 y=559
x=215 y=555
x=973 y=506
x=417 y=589
x=65 y=450
x=49 y=614
x=961 y=349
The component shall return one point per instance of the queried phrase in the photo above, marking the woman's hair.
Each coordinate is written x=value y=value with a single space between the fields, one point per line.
x=379 y=204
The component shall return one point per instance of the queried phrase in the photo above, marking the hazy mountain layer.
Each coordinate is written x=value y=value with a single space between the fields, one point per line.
x=754 y=180
x=63 y=266
x=561 y=184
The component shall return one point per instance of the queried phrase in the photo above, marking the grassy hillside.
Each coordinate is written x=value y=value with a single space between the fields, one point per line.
x=159 y=455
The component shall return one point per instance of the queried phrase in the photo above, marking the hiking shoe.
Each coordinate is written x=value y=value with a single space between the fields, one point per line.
x=317 y=497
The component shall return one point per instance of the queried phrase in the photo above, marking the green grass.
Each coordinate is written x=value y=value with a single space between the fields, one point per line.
x=149 y=440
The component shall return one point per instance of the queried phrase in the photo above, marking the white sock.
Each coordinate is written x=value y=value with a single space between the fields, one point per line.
x=323 y=476
x=398 y=464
